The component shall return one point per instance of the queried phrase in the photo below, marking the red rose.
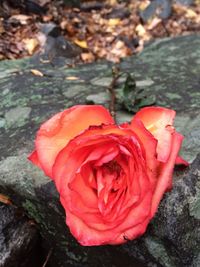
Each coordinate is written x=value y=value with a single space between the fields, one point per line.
x=110 y=177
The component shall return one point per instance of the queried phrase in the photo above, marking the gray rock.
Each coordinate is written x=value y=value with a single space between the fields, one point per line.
x=17 y=116
x=19 y=239
x=161 y=8
x=168 y=69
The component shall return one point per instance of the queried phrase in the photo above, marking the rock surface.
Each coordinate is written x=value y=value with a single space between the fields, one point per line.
x=168 y=69
x=19 y=239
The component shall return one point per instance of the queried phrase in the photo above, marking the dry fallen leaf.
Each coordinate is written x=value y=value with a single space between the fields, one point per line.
x=5 y=199
x=1 y=27
x=140 y=30
x=31 y=45
x=119 y=49
x=190 y=14
x=114 y=22
x=82 y=44
x=87 y=57
x=37 y=73
x=154 y=23
x=112 y=2
x=47 y=18
x=144 y=4
x=23 y=19
x=72 y=78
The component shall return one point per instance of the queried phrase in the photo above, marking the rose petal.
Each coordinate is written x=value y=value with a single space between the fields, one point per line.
x=55 y=133
x=138 y=213
x=34 y=158
x=132 y=233
x=88 y=236
x=139 y=186
x=90 y=223
x=158 y=120
x=90 y=199
x=150 y=145
x=181 y=161
x=165 y=178
x=84 y=234
x=87 y=151
x=91 y=136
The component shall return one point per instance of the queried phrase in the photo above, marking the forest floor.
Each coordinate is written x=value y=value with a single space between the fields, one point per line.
x=102 y=29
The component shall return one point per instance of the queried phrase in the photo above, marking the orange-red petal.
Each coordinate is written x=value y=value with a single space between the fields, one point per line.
x=159 y=121
x=134 y=225
x=150 y=145
x=91 y=136
x=33 y=157
x=55 y=133
x=181 y=161
x=165 y=177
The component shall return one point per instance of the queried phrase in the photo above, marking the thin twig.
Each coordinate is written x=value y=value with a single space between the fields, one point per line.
x=165 y=28
x=47 y=258
x=111 y=88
